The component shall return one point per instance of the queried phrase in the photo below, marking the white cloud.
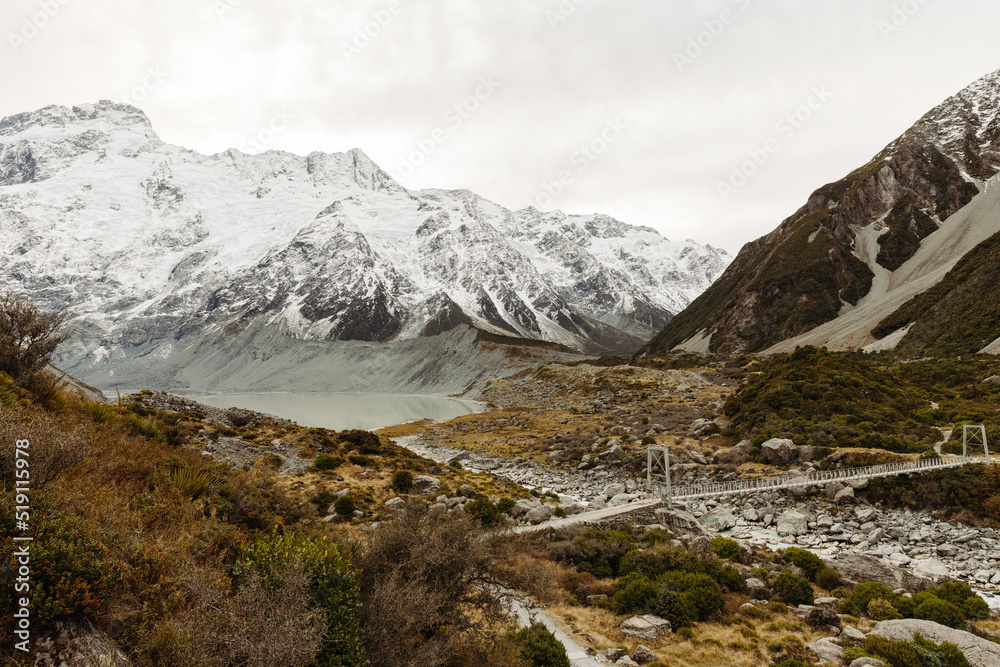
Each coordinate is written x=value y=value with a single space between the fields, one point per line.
x=559 y=83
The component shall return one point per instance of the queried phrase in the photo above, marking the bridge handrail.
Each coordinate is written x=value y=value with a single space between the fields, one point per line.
x=819 y=476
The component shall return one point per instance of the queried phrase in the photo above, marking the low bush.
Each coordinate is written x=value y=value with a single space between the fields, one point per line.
x=864 y=592
x=935 y=609
x=828 y=578
x=540 y=647
x=725 y=548
x=485 y=512
x=810 y=563
x=880 y=609
x=344 y=506
x=402 y=481
x=920 y=652
x=327 y=462
x=792 y=589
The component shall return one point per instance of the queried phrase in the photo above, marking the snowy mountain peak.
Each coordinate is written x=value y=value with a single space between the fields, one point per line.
x=158 y=252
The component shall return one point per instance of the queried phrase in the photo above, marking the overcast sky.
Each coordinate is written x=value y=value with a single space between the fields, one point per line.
x=641 y=109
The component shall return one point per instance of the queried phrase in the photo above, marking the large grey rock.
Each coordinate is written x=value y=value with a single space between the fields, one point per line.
x=680 y=521
x=792 y=522
x=643 y=655
x=645 y=627
x=779 y=451
x=468 y=492
x=931 y=568
x=523 y=506
x=865 y=661
x=845 y=495
x=615 y=654
x=395 y=503
x=426 y=484
x=572 y=507
x=626 y=662
x=719 y=519
x=737 y=454
x=828 y=650
x=860 y=567
x=852 y=635
x=978 y=651
x=540 y=514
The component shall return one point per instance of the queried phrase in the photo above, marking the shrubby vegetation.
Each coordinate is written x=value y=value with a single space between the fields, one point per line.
x=920 y=652
x=950 y=603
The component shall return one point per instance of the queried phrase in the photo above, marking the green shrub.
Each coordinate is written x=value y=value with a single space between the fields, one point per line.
x=917 y=653
x=700 y=593
x=488 y=514
x=364 y=442
x=344 y=505
x=955 y=592
x=672 y=606
x=882 y=610
x=333 y=587
x=505 y=505
x=864 y=592
x=540 y=647
x=807 y=560
x=937 y=610
x=792 y=589
x=725 y=548
x=634 y=594
x=402 y=481
x=976 y=607
x=327 y=462
x=560 y=513
x=599 y=552
x=829 y=579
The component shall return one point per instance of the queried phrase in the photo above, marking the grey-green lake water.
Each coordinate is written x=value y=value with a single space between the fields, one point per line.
x=340 y=411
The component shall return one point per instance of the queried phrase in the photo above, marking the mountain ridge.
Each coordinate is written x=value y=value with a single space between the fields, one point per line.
x=809 y=271
x=150 y=248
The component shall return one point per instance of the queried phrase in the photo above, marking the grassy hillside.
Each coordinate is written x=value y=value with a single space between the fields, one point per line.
x=826 y=399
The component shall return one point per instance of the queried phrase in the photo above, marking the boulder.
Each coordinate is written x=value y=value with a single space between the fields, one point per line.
x=626 y=662
x=738 y=454
x=643 y=655
x=845 y=495
x=828 y=650
x=831 y=489
x=615 y=654
x=621 y=499
x=426 y=484
x=860 y=567
x=852 y=635
x=827 y=603
x=571 y=508
x=540 y=514
x=946 y=550
x=645 y=627
x=865 y=661
x=792 y=522
x=680 y=521
x=395 y=503
x=978 y=651
x=719 y=519
x=523 y=506
x=467 y=491
x=591 y=599
x=612 y=490
x=931 y=568
x=779 y=451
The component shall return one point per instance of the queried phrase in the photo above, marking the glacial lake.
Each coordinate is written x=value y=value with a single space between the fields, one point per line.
x=339 y=411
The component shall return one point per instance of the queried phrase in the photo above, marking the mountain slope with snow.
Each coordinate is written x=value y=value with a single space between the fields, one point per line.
x=155 y=251
x=856 y=241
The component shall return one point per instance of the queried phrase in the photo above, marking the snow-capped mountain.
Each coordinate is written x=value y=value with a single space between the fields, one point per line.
x=154 y=250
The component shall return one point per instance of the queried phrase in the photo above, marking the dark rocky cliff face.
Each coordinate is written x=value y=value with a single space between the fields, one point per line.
x=804 y=272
